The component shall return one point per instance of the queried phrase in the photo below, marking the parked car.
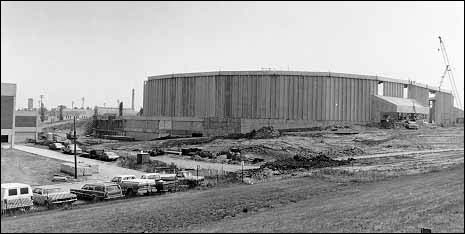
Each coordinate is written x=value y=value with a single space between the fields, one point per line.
x=103 y=155
x=69 y=149
x=162 y=185
x=16 y=196
x=98 y=191
x=52 y=196
x=131 y=186
x=186 y=178
x=156 y=152
x=411 y=125
x=151 y=176
x=56 y=146
x=187 y=175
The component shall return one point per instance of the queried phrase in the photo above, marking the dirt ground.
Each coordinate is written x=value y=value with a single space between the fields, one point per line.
x=403 y=204
x=368 y=140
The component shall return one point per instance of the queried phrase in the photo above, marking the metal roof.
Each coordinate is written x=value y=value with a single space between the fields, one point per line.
x=296 y=73
x=405 y=105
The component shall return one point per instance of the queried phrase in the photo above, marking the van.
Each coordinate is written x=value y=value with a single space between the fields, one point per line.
x=15 y=196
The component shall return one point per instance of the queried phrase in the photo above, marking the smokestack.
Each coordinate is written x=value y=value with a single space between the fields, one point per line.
x=132 y=102
x=30 y=103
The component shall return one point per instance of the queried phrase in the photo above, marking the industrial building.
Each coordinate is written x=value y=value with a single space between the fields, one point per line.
x=26 y=126
x=8 y=99
x=69 y=114
x=218 y=103
x=113 y=111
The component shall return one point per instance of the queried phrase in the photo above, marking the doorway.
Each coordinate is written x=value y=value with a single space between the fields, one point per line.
x=4 y=138
x=432 y=110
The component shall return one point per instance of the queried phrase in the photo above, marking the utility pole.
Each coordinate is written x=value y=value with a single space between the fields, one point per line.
x=242 y=171
x=41 y=109
x=75 y=158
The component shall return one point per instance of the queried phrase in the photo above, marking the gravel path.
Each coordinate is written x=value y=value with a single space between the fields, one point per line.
x=400 y=154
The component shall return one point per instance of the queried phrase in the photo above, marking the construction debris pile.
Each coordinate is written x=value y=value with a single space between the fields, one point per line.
x=310 y=159
x=262 y=133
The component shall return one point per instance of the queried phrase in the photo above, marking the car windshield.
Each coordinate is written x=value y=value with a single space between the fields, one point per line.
x=53 y=190
x=115 y=179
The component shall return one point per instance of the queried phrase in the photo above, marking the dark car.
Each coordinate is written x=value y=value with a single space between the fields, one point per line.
x=103 y=155
x=56 y=146
x=98 y=191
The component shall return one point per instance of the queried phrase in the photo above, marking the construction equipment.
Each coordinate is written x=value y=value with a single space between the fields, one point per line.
x=449 y=72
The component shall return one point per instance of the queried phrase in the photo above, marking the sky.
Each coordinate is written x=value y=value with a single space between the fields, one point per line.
x=102 y=50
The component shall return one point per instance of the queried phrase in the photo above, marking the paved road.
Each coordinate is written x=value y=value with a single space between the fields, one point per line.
x=106 y=169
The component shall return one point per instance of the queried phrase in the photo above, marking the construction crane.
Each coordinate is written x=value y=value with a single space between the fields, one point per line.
x=448 y=71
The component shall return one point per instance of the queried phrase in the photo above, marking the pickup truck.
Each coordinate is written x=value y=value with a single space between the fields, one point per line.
x=131 y=186
x=103 y=155
x=52 y=196
x=160 y=184
x=98 y=191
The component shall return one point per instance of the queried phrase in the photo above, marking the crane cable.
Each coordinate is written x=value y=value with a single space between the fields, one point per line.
x=449 y=71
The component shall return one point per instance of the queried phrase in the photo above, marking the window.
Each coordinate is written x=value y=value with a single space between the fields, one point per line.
x=116 y=179
x=37 y=190
x=12 y=192
x=112 y=189
x=100 y=188
x=87 y=187
x=24 y=190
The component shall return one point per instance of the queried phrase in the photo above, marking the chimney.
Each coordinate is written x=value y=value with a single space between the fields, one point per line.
x=132 y=103
x=30 y=103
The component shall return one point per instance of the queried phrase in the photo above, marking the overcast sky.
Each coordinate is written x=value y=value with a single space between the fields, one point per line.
x=101 y=50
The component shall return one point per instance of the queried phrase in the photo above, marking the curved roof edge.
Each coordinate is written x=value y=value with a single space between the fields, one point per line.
x=297 y=73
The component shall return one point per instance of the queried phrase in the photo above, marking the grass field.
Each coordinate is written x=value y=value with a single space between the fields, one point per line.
x=23 y=167
x=403 y=204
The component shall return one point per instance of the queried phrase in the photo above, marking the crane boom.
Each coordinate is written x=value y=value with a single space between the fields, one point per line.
x=449 y=72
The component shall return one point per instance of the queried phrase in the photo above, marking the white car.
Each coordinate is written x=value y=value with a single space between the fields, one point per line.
x=16 y=196
x=52 y=196
x=151 y=176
